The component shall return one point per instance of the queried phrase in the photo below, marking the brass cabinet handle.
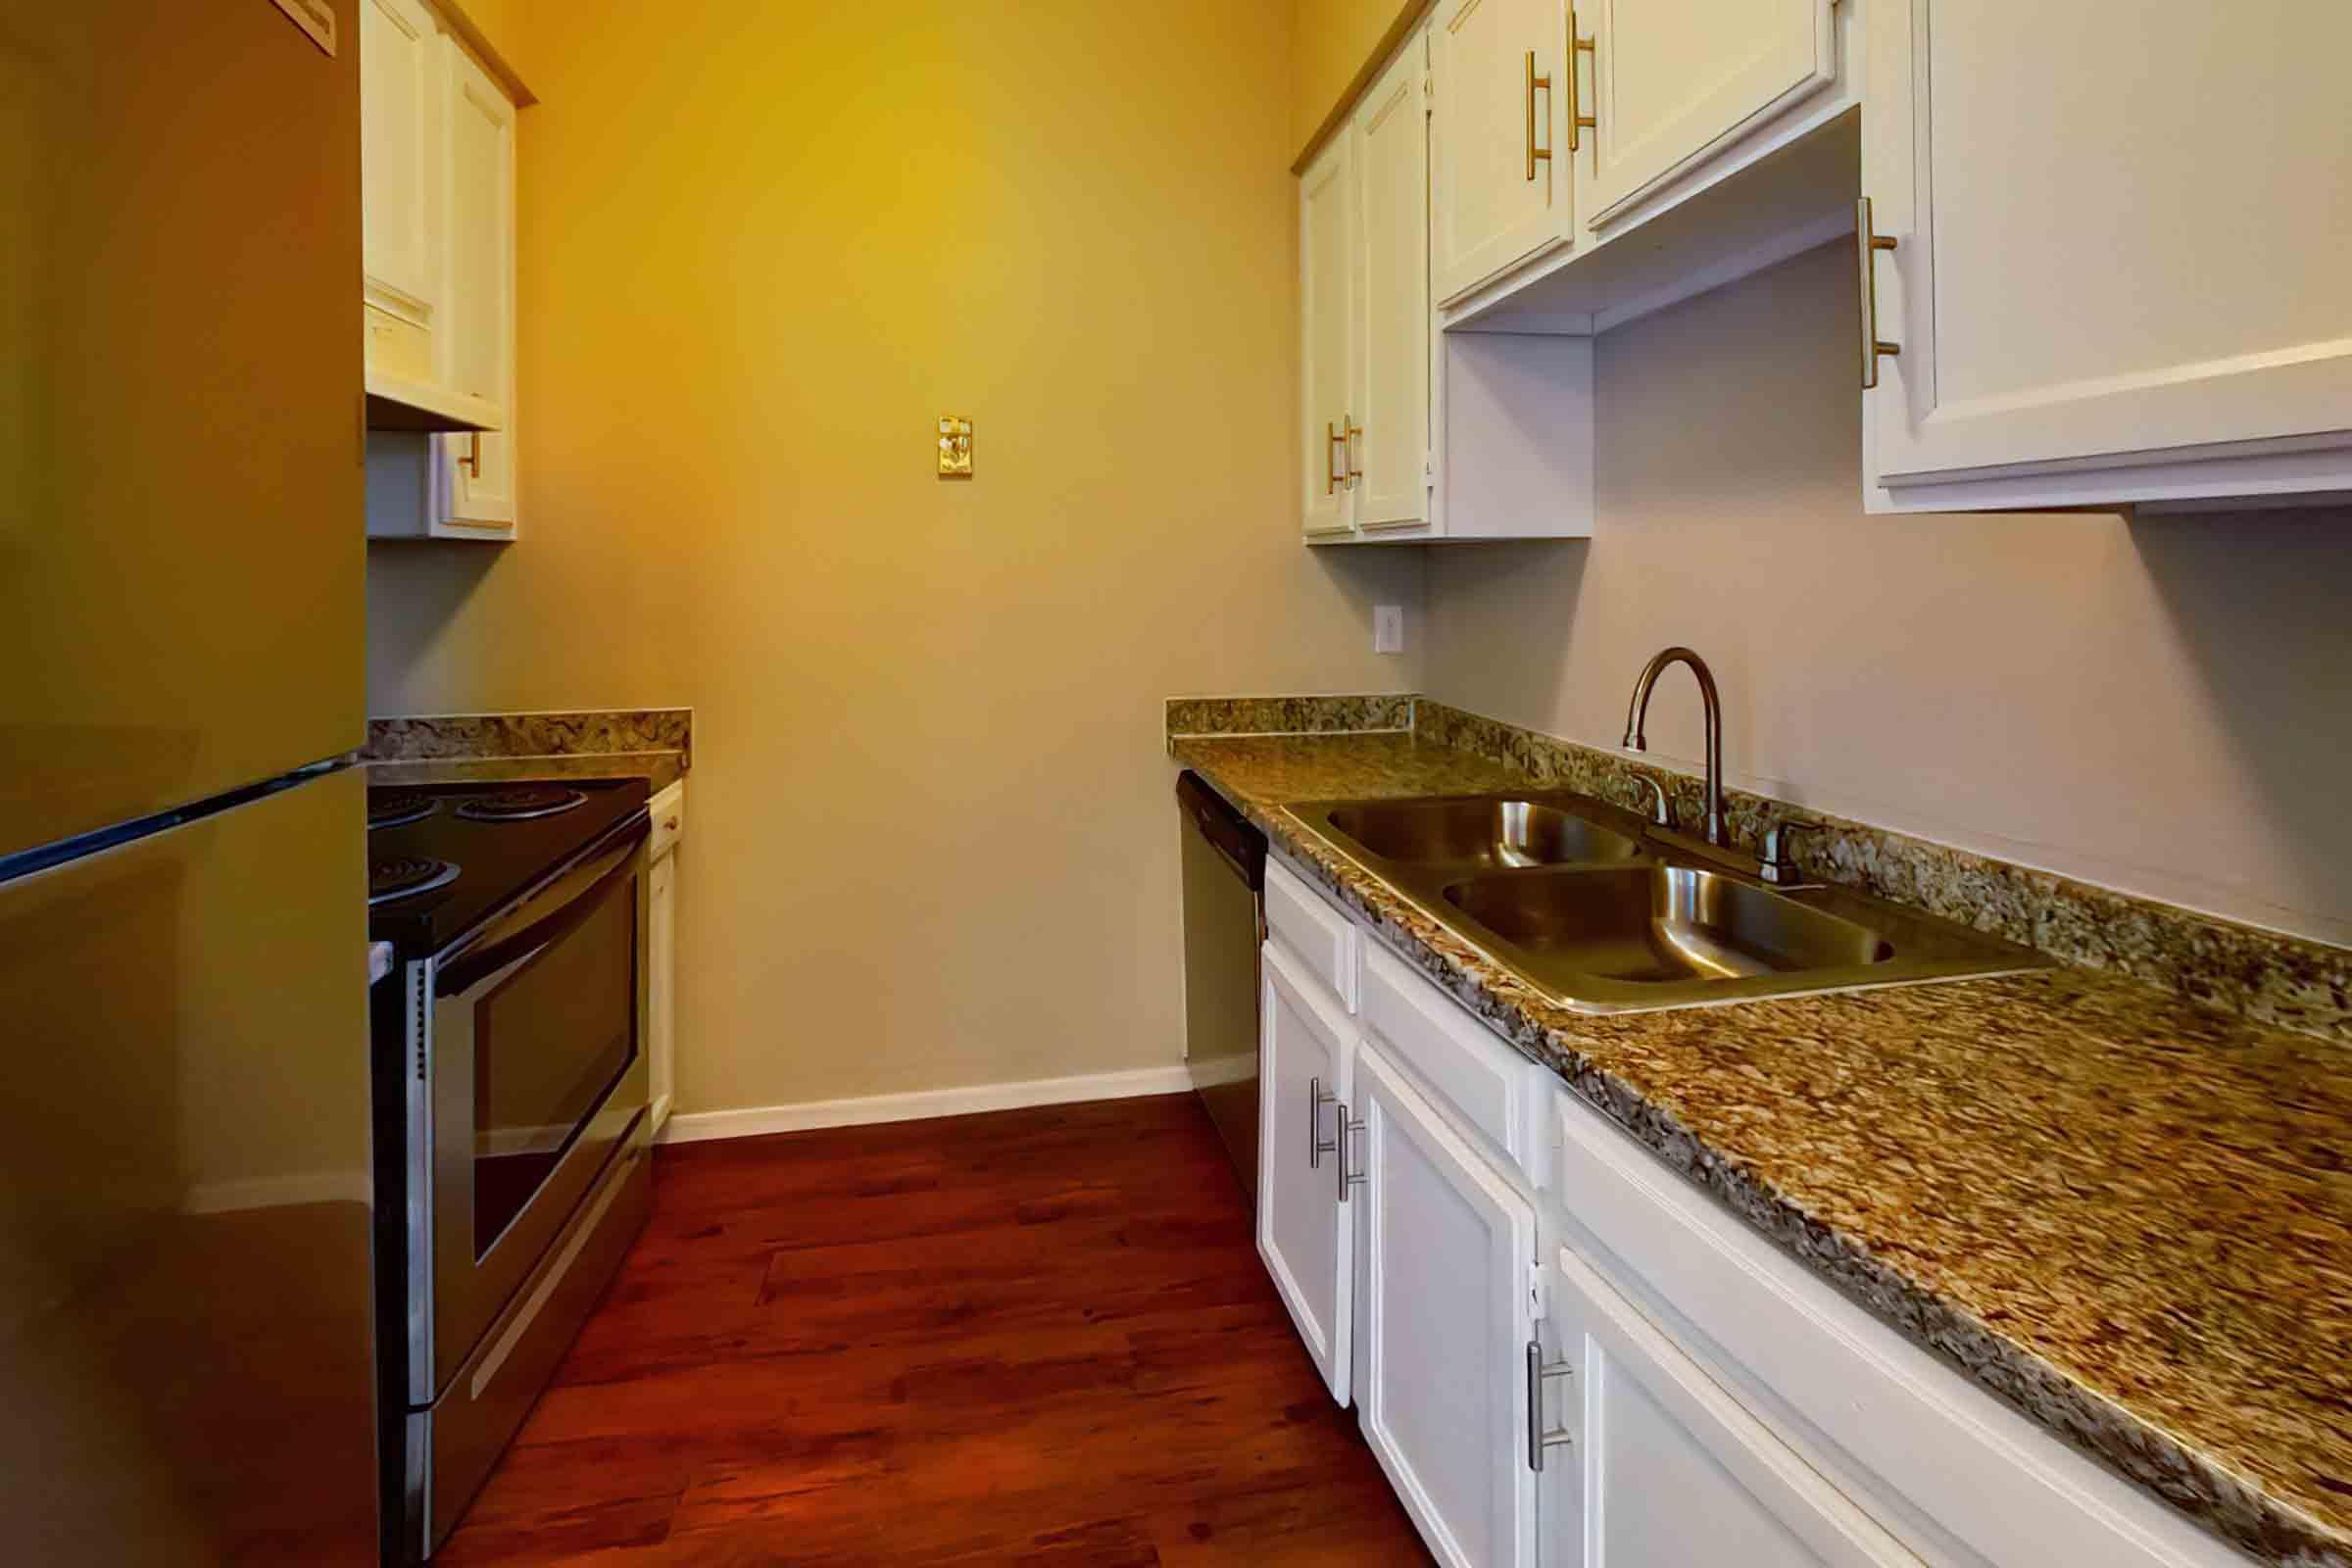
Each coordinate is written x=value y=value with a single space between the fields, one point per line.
x=1355 y=433
x=1332 y=438
x=1539 y=1436
x=1867 y=245
x=1316 y=1147
x=472 y=461
x=1535 y=154
x=1577 y=119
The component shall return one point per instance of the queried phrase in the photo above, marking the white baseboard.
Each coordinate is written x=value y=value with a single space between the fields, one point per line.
x=691 y=1127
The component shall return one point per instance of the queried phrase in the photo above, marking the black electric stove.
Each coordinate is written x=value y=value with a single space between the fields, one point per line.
x=444 y=858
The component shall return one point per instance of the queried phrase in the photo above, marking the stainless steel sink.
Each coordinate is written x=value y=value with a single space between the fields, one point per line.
x=1602 y=914
x=1479 y=831
x=1657 y=925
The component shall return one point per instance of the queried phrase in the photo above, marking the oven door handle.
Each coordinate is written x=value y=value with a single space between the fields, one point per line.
x=525 y=932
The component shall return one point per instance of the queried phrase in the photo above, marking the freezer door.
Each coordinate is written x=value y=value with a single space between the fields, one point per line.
x=181 y=562
x=186 y=1368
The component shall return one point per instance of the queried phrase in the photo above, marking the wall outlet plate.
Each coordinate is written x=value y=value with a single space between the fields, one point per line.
x=954 y=447
x=1388 y=628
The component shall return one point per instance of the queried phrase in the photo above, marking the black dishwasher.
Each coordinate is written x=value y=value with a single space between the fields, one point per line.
x=1224 y=922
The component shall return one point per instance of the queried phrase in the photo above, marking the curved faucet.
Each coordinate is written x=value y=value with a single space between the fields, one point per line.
x=1718 y=832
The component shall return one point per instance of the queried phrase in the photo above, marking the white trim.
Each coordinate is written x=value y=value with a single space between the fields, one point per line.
x=1746 y=263
x=692 y=1127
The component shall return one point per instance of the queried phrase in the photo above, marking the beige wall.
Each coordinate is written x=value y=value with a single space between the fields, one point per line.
x=1334 y=40
x=2159 y=706
x=764 y=248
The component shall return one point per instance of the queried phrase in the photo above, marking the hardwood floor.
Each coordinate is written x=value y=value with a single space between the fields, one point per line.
x=1035 y=1337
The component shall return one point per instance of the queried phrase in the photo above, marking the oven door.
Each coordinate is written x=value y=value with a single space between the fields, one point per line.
x=536 y=1071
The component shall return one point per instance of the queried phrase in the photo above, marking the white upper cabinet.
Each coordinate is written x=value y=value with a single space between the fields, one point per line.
x=478 y=470
x=438 y=176
x=1667 y=83
x=1392 y=326
x=1304 y=1229
x=1499 y=168
x=2121 y=232
x=1407 y=434
x=1327 y=262
x=1447 y=1314
x=400 y=142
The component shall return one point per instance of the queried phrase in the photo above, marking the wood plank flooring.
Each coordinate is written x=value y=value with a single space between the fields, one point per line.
x=1040 y=1337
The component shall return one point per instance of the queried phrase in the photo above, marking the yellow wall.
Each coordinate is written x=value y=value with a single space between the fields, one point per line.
x=1334 y=40
x=507 y=29
x=2155 y=706
x=764 y=249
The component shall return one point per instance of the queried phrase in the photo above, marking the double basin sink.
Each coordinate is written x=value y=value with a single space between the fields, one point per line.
x=1601 y=912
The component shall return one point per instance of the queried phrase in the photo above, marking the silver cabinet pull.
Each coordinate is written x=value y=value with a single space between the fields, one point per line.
x=1340 y=1134
x=1316 y=1147
x=1539 y=1436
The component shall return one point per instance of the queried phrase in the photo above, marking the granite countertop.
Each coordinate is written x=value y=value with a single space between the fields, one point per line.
x=659 y=769
x=2126 y=1216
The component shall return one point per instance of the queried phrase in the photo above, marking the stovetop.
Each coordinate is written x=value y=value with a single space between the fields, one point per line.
x=498 y=857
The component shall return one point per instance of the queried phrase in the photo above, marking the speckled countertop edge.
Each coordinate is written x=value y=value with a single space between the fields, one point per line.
x=2221 y=1495
x=659 y=769
x=584 y=732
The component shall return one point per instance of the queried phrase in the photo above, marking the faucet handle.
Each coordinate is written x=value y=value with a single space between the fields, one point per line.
x=1777 y=867
x=1661 y=811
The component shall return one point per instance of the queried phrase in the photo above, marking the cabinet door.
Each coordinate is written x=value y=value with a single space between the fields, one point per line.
x=1327 y=245
x=1500 y=175
x=1302 y=1230
x=1672 y=79
x=1649 y=1461
x=401 y=188
x=477 y=337
x=660 y=986
x=1392 y=327
x=2121 y=240
x=1450 y=1255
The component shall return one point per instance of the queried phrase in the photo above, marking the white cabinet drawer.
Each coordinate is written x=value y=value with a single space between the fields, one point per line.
x=1482 y=1080
x=1323 y=939
x=669 y=821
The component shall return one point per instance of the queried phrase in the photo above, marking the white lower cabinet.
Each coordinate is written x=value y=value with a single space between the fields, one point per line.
x=1306 y=1055
x=1447 y=1314
x=1565 y=1356
x=661 y=951
x=1649 y=1462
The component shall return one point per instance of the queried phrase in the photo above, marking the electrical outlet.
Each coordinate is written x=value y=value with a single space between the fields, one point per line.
x=1388 y=628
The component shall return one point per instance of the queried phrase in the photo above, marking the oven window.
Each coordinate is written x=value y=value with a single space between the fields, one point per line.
x=548 y=1044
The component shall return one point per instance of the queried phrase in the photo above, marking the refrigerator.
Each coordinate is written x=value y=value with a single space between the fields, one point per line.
x=186 y=1367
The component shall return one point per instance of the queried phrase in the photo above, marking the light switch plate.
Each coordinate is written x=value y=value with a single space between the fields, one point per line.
x=1388 y=628
x=954 y=447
